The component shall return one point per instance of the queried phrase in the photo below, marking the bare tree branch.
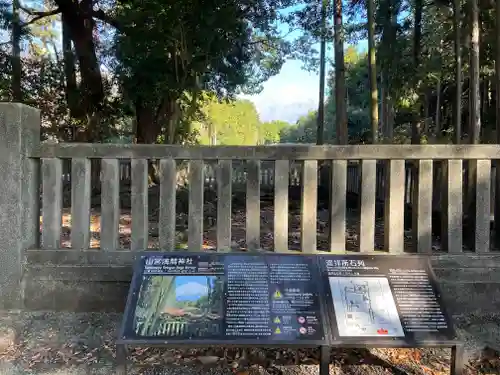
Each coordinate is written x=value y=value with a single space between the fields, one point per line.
x=38 y=15
x=106 y=18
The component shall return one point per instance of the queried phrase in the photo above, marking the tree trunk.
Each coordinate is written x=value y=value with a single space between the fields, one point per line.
x=416 y=116
x=474 y=116
x=438 y=108
x=437 y=118
x=475 y=98
x=497 y=76
x=427 y=118
x=72 y=95
x=417 y=38
x=147 y=129
x=79 y=18
x=497 y=110
x=320 y=125
x=458 y=72
x=89 y=68
x=173 y=115
x=383 y=104
x=17 y=94
x=340 y=88
x=325 y=167
x=373 y=71
x=485 y=98
x=393 y=17
x=390 y=118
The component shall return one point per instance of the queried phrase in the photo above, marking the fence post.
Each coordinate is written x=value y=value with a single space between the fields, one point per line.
x=19 y=197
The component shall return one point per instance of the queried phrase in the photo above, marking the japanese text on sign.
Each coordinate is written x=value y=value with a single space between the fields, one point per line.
x=345 y=263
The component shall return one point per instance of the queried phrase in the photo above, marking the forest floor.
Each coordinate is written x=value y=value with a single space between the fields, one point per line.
x=83 y=344
x=80 y=343
x=237 y=230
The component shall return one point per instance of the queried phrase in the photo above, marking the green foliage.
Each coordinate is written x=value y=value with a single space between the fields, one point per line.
x=157 y=58
x=270 y=131
x=304 y=131
x=229 y=123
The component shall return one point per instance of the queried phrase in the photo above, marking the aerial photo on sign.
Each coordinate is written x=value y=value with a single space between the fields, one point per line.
x=180 y=305
x=225 y=297
x=179 y=296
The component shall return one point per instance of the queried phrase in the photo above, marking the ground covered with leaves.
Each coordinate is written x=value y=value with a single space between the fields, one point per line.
x=74 y=344
x=238 y=230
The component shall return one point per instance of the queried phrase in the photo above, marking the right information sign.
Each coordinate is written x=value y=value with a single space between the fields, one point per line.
x=391 y=297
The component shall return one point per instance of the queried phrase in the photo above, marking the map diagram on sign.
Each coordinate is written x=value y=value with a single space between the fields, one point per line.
x=364 y=306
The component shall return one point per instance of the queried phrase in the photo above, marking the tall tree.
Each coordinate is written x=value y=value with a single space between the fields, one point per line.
x=373 y=71
x=17 y=94
x=388 y=58
x=79 y=18
x=417 y=40
x=72 y=95
x=475 y=98
x=475 y=110
x=458 y=71
x=497 y=110
x=322 y=69
x=340 y=89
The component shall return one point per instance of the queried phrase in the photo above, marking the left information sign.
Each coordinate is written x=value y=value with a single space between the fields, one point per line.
x=223 y=297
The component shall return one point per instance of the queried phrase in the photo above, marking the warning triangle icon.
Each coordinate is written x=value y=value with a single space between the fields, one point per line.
x=277 y=331
x=277 y=294
x=277 y=320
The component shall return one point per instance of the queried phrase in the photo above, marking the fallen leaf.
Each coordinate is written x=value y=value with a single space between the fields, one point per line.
x=208 y=359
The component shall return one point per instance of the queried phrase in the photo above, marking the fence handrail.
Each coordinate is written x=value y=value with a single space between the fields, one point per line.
x=297 y=152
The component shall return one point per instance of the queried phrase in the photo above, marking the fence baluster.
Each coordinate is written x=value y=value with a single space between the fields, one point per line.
x=253 y=205
x=452 y=210
x=51 y=203
x=80 y=203
x=281 y=180
x=110 y=204
x=338 y=205
x=483 y=206
x=167 y=217
x=309 y=206
x=224 y=183
x=139 y=200
x=31 y=204
x=394 y=207
x=367 y=205
x=195 y=221
x=422 y=208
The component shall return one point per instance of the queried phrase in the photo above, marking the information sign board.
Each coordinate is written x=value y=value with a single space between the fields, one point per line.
x=383 y=297
x=242 y=299
x=210 y=297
